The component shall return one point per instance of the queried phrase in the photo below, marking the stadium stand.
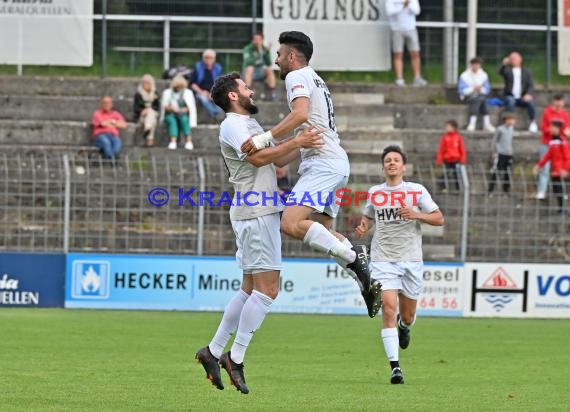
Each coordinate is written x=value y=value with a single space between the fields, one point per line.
x=42 y=119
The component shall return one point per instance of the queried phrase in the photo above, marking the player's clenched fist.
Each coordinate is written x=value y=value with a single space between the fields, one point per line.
x=408 y=214
x=362 y=228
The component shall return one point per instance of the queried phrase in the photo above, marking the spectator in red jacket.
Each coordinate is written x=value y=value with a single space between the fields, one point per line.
x=106 y=123
x=555 y=111
x=558 y=154
x=451 y=153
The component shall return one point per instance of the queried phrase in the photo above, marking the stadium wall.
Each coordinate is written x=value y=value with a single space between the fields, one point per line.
x=206 y=283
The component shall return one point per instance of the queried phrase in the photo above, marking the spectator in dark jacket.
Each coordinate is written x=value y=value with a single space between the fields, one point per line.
x=146 y=107
x=519 y=87
x=451 y=153
x=202 y=79
x=558 y=154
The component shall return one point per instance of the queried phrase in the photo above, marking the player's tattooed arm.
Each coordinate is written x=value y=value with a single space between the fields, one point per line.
x=434 y=218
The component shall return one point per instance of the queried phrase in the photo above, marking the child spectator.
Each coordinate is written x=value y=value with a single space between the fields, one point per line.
x=555 y=111
x=106 y=123
x=178 y=110
x=451 y=153
x=502 y=153
x=146 y=107
x=473 y=89
x=558 y=154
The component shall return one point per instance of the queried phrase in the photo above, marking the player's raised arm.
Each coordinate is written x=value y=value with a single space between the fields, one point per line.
x=308 y=138
x=299 y=114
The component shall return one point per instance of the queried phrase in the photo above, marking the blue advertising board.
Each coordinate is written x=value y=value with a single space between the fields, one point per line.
x=32 y=280
x=206 y=284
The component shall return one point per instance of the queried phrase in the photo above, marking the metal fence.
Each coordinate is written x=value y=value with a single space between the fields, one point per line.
x=54 y=202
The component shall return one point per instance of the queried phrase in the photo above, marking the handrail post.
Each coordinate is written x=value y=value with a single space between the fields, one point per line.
x=465 y=217
x=201 y=208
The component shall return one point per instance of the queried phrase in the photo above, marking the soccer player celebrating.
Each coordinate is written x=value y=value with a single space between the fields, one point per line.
x=397 y=207
x=256 y=227
x=322 y=170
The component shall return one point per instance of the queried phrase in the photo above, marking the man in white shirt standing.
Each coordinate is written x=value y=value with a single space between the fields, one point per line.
x=402 y=15
x=314 y=202
x=519 y=87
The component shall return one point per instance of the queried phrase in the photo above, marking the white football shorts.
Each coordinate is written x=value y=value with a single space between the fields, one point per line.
x=318 y=184
x=258 y=243
x=407 y=277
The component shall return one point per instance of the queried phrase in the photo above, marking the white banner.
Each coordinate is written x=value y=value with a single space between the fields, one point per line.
x=517 y=290
x=564 y=37
x=348 y=35
x=54 y=32
x=442 y=292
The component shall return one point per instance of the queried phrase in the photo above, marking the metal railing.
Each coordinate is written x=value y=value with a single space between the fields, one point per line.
x=80 y=203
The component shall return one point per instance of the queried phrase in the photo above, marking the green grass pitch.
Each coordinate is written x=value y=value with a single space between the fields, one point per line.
x=80 y=360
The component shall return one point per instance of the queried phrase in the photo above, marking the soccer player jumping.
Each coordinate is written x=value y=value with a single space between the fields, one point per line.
x=322 y=170
x=397 y=208
x=256 y=228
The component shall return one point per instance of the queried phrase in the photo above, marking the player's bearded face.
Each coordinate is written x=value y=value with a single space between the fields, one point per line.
x=282 y=61
x=246 y=101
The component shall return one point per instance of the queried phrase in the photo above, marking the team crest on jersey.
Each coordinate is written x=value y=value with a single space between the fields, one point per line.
x=297 y=86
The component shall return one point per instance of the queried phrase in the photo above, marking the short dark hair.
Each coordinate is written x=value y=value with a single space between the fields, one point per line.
x=558 y=97
x=258 y=33
x=557 y=123
x=299 y=41
x=222 y=86
x=476 y=60
x=452 y=123
x=396 y=149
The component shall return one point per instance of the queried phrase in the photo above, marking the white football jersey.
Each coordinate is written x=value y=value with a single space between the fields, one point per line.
x=234 y=131
x=306 y=83
x=396 y=239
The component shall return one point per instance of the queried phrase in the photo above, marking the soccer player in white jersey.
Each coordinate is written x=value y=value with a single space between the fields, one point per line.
x=322 y=170
x=256 y=227
x=397 y=208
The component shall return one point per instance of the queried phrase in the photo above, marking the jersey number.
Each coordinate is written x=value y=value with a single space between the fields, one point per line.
x=332 y=123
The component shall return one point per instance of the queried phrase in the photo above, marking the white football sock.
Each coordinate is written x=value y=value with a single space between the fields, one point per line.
x=252 y=315
x=228 y=324
x=390 y=339
x=404 y=326
x=319 y=238
x=343 y=263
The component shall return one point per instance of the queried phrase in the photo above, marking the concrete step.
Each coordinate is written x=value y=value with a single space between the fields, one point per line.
x=420 y=144
x=125 y=88
x=419 y=116
x=73 y=108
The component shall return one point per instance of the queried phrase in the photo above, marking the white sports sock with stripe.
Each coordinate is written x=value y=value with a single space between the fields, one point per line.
x=228 y=324
x=252 y=315
x=319 y=238
x=390 y=340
